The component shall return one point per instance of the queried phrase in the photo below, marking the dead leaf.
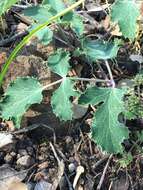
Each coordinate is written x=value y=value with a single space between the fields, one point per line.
x=116 y=31
x=141 y=9
x=10 y=125
x=106 y=22
x=2 y=58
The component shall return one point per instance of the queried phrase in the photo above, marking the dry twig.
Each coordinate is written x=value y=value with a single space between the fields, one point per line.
x=104 y=172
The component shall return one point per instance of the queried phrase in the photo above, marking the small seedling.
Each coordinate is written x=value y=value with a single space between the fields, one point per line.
x=106 y=129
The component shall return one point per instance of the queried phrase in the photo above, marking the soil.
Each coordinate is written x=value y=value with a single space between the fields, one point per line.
x=46 y=150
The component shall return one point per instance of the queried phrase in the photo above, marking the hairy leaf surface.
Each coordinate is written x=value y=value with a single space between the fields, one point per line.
x=61 y=104
x=97 y=49
x=39 y=13
x=45 y=35
x=59 y=62
x=5 y=5
x=107 y=131
x=75 y=21
x=125 y=13
x=57 y=5
x=19 y=96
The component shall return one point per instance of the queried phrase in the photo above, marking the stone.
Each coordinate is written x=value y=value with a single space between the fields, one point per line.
x=25 y=161
x=8 y=158
x=71 y=167
x=22 y=152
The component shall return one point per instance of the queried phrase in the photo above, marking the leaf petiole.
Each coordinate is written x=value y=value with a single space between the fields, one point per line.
x=110 y=74
x=90 y=80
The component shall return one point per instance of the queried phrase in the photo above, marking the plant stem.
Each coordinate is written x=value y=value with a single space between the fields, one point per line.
x=110 y=74
x=87 y=79
x=73 y=78
x=52 y=84
x=29 y=36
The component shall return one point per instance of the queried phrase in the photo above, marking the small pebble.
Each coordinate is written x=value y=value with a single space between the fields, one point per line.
x=43 y=185
x=22 y=152
x=8 y=159
x=71 y=167
x=68 y=139
x=25 y=161
x=30 y=150
x=30 y=186
x=13 y=154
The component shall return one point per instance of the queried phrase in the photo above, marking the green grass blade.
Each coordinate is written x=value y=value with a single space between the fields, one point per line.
x=28 y=37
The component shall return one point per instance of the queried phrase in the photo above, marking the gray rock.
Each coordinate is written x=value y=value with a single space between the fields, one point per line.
x=71 y=167
x=8 y=158
x=25 y=161
x=30 y=186
x=43 y=185
x=30 y=150
x=22 y=152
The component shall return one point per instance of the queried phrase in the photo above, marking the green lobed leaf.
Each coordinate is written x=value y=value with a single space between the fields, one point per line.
x=98 y=49
x=19 y=96
x=45 y=35
x=49 y=8
x=107 y=131
x=75 y=21
x=125 y=13
x=59 y=62
x=60 y=101
x=77 y=24
x=57 y=5
x=39 y=13
x=5 y=5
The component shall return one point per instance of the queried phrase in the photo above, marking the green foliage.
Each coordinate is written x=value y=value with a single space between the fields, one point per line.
x=39 y=13
x=19 y=96
x=75 y=21
x=138 y=80
x=45 y=35
x=125 y=13
x=77 y=24
x=134 y=102
x=97 y=49
x=5 y=5
x=134 y=107
x=31 y=34
x=140 y=136
x=107 y=131
x=49 y=8
x=126 y=160
x=56 y=5
x=59 y=62
x=60 y=101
